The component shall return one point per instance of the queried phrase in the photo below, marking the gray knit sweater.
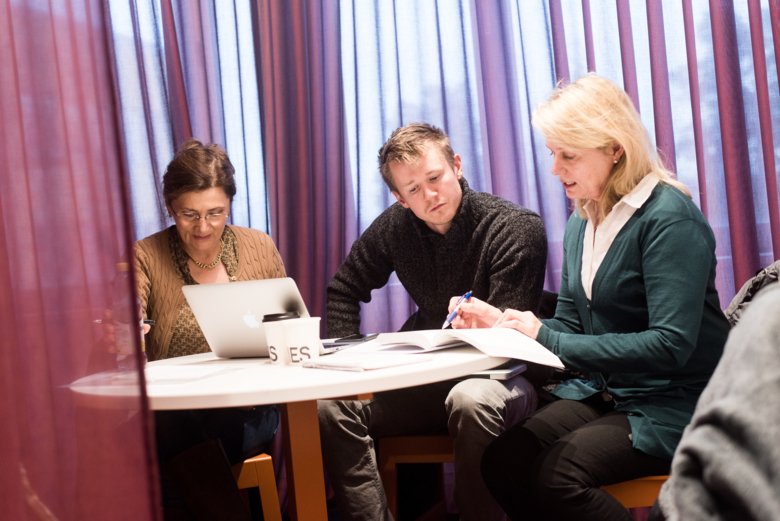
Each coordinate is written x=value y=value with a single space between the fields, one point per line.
x=494 y=248
x=727 y=465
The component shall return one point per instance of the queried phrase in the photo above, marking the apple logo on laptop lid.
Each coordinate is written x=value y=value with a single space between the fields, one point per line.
x=251 y=320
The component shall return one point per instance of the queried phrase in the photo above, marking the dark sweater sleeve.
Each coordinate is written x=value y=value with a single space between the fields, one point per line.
x=366 y=268
x=517 y=261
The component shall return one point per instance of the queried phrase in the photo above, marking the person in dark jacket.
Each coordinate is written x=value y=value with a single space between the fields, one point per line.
x=441 y=239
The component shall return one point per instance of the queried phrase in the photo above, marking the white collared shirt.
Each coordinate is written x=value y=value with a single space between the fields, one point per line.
x=598 y=240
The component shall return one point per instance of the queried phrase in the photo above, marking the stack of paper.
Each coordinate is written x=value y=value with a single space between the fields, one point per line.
x=363 y=361
x=407 y=347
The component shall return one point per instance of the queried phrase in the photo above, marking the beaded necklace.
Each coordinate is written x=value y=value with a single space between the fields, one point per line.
x=213 y=264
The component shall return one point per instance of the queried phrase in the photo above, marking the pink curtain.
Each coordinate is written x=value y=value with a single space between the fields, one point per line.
x=65 y=226
x=322 y=119
x=742 y=232
x=309 y=189
x=729 y=132
x=64 y=196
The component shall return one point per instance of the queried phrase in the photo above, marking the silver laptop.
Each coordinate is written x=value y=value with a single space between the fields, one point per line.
x=231 y=314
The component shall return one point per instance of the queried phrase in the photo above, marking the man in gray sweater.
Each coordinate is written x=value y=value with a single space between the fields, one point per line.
x=441 y=239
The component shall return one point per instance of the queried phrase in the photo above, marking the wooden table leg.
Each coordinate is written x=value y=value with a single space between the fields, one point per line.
x=304 y=461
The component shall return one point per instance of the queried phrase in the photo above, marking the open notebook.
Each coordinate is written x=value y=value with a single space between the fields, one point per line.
x=389 y=349
x=231 y=314
x=496 y=341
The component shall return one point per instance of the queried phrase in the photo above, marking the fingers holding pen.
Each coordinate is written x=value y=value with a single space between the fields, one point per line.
x=475 y=313
x=459 y=321
x=454 y=301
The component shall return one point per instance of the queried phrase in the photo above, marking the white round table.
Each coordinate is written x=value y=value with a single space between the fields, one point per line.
x=205 y=381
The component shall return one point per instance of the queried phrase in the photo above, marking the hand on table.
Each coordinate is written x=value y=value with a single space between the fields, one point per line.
x=523 y=321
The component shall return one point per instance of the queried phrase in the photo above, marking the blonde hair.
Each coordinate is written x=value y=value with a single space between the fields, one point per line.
x=594 y=113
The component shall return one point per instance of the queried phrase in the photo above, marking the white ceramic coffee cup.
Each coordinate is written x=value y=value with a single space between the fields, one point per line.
x=294 y=340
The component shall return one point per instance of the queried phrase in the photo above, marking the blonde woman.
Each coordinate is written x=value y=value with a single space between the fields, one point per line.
x=638 y=316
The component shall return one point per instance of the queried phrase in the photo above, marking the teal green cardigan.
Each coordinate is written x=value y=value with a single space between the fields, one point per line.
x=653 y=331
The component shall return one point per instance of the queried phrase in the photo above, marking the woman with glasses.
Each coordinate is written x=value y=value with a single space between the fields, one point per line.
x=196 y=448
x=200 y=248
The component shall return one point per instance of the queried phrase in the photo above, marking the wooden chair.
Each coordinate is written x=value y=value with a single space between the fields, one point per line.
x=637 y=493
x=394 y=450
x=258 y=471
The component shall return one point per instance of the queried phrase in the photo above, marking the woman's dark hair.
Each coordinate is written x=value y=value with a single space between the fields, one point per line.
x=197 y=167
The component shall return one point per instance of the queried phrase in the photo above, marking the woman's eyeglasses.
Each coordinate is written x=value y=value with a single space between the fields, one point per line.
x=195 y=217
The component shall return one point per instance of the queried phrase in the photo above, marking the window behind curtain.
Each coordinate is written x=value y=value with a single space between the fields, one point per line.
x=407 y=60
x=397 y=56
x=214 y=52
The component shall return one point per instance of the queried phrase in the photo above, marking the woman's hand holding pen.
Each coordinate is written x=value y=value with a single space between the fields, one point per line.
x=523 y=321
x=473 y=313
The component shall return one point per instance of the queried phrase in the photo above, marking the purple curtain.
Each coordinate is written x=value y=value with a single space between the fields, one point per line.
x=310 y=194
x=177 y=90
x=509 y=157
x=736 y=163
x=66 y=225
x=659 y=72
x=272 y=99
x=477 y=71
x=301 y=73
x=696 y=111
x=764 y=110
x=187 y=69
x=735 y=181
x=81 y=119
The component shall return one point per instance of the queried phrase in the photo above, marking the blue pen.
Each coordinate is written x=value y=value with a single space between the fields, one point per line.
x=454 y=312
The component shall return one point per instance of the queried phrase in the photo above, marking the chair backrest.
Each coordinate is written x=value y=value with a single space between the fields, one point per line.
x=637 y=493
x=258 y=471
x=395 y=450
x=749 y=289
x=547 y=304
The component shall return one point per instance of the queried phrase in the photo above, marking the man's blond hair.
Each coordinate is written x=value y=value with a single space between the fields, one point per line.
x=408 y=144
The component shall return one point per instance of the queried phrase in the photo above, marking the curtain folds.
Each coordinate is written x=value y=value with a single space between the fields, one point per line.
x=65 y=227
x=659 y=73
x=765 y=112
x=187 y=69
x=181 y=126
x=736 y=162
x=95 y=97
x=332 y=80
x=696 y=107
x=299 y=72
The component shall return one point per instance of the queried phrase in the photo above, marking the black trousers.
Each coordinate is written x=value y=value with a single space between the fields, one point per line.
x=242 y=431
x=196 y=449
x=553 y=465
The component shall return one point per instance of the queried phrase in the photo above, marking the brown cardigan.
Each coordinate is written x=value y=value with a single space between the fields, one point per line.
x=159 y=282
